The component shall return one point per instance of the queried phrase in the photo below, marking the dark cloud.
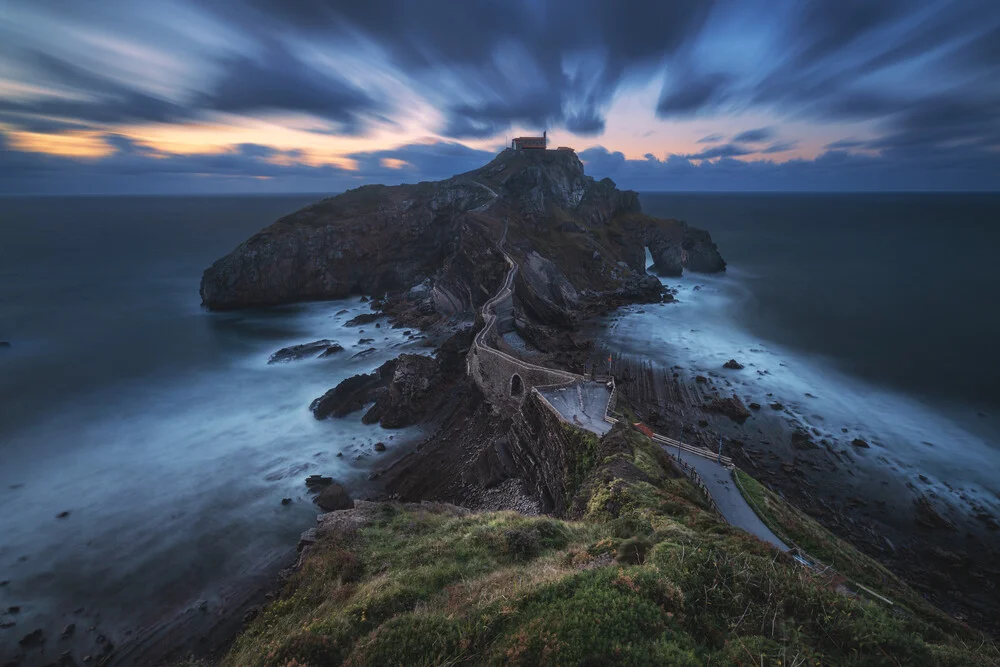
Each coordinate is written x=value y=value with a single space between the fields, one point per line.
x=845 y=61
x=959 y=169
x=136 y=168
x=843 y=144
x=780 y=147
x=425 y=161
x=275 y=80
x=759 y=135
x=920 y=74
x=827 y=26
x=694 y=93
x=439 y=39
x=725 y=150
x=99 y=99
x=586 y=124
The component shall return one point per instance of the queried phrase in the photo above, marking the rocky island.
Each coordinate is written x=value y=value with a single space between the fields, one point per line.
x=533 y=526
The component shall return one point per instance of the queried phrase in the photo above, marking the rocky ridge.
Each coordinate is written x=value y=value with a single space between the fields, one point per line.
x=431 y=246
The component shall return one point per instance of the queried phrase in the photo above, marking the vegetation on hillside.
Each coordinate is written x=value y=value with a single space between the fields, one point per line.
x=642 y=574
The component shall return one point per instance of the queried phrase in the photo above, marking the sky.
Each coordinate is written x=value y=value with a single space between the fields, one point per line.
x=260 y=96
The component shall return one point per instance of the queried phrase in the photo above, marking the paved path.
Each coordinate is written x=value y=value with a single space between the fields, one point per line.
x=585 y=403
x=581 y=403
x=728 y=498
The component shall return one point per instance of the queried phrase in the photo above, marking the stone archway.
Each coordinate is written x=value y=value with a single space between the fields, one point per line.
x=516 y=385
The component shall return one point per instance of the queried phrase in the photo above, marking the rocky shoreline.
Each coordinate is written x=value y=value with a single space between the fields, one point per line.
x=945 y=548
x=429 y=253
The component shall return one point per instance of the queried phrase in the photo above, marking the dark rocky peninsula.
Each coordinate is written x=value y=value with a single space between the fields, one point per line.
x=436 y=242
x=513 y=534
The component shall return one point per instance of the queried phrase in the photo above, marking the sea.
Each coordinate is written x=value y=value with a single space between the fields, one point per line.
x=158 y=426
x=866 y=316
x=170 y=441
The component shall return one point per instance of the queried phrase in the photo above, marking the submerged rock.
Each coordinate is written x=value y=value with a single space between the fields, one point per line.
x=731 y=407
x=363 y=318
x=858 y=442
x=33 y=638
x=315 y=349
x=316 y=482
x=802 y=440
x=929 y=517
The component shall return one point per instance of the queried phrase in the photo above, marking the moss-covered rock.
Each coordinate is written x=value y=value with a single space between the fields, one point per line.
x=645 y=575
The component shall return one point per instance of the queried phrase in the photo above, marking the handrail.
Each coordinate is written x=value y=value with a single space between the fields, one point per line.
x=490 y=318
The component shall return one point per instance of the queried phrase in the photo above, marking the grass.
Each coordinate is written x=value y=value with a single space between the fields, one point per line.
x=806 y=533
x=644 y=575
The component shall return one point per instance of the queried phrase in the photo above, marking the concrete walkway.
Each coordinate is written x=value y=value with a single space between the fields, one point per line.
x=585 y=403
x=582 y=403
x=731 y=503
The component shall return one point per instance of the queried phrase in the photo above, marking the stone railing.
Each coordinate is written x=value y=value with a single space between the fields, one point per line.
x=501 y=376
x=693 y=475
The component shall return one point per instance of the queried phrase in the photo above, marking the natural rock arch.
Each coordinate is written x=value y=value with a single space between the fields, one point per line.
x=516 y=385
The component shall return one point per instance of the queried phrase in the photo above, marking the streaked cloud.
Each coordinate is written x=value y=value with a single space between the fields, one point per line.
x=399 y=89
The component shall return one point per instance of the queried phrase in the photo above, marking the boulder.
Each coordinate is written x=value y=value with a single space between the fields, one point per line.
x=379 y=446
x=33 y=638
x=929 y=517
x=734 y=365
x=350 y=395
x=802 y=440
x=858 y=442
x=317 y=482
x=318 y=348
x=731 y=407
x=333 y=498
x=363 y=318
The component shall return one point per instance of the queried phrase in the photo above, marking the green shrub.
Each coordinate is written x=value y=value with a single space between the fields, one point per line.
x=633 y=550
x=411 y=640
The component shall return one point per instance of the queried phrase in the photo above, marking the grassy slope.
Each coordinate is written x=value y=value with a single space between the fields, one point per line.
x=644 y=575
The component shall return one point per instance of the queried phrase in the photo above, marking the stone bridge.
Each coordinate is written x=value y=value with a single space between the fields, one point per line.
x=505 y=379
x=509 y=381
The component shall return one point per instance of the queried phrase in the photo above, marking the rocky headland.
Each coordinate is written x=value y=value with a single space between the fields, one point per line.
x=452 y=562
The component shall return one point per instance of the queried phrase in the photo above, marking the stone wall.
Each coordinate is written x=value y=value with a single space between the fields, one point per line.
x=494 y=371
x=506 y=380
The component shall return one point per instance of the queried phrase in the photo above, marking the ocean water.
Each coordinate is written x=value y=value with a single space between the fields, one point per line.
x=171 y=442
x=158 y=426
x=870 y=313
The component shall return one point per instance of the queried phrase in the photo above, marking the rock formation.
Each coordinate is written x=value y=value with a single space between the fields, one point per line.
x=432 y=245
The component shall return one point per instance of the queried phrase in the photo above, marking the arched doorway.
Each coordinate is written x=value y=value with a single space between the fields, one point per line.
x=516 y=385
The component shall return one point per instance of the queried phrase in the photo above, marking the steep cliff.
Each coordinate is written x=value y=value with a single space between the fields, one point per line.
x=433 y=244
x=645 y=574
